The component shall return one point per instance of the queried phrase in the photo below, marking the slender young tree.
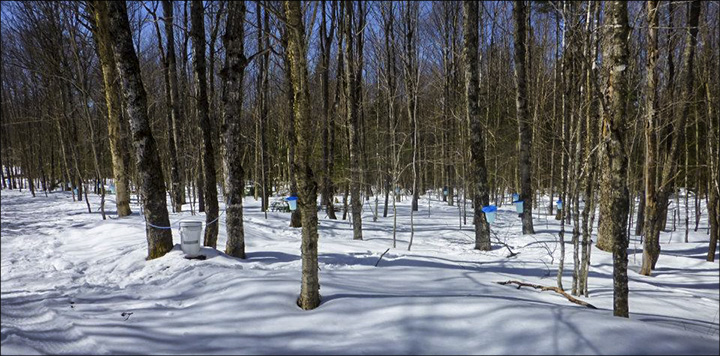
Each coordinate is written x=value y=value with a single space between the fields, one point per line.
x=208 y=152
x=326 y=37
x=353 y=107
x=178 y=189
x=650 y=135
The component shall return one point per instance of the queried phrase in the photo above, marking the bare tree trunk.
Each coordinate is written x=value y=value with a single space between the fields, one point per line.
x=118 y=146
x=263 y=86
x=307 y=188
x=326 y=37
x=411 y=84
x=651 y=250
x=713 y=150
x=178 y=188
x=208 y=153
x=524 y=128
x=353 y=108
x=296 y=215
x=159 y=235
x=477 y=144
x=388 y=17
x=615 y=203
x=232 y=124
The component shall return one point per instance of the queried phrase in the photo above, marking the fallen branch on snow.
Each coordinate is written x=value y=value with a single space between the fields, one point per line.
x=554 y=289
x=381 y=256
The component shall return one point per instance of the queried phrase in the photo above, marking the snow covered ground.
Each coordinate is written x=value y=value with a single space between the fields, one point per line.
x=73 y=283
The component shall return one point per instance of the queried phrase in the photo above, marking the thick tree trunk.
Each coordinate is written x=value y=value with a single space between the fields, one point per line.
x=657 y=197
x=304 y=127
x=159 y=236
x=477 y=145
x=524 y=128
x=118 y=145
x=296 y=215
x=232 y=124
x=208 y=152
x=615 y=204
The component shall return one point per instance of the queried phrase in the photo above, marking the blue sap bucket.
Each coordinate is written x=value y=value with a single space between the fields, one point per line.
x=519 y=206
x=516 y=197
x=111 y=189
x=559 y=204
x=490 y=212
x=292 y=202
x=75 y=191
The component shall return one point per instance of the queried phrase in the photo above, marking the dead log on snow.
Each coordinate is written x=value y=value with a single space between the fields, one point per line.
x=554 y=289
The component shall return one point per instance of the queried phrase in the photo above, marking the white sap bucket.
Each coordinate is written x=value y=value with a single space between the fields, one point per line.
x=190 y=232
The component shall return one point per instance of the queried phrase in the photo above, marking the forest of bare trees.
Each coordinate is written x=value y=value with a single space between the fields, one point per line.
x=611 y=107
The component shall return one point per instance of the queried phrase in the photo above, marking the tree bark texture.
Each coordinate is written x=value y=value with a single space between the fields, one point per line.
x=208 y=152
x=232 y=124
x=353 y=107
x=304 y=129
x=152 y=186
x=524 y=127
x=118 y=145
x=477 y=145
x=615 y=204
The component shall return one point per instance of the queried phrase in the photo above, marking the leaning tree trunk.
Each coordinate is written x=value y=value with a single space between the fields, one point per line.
x=615 y=203
x=208 y=152
x=304 y=131
x=112 y=97
x=657 y=203
x=477 y=145
x=152 y=183
x=524 y=129
x=232 y=123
